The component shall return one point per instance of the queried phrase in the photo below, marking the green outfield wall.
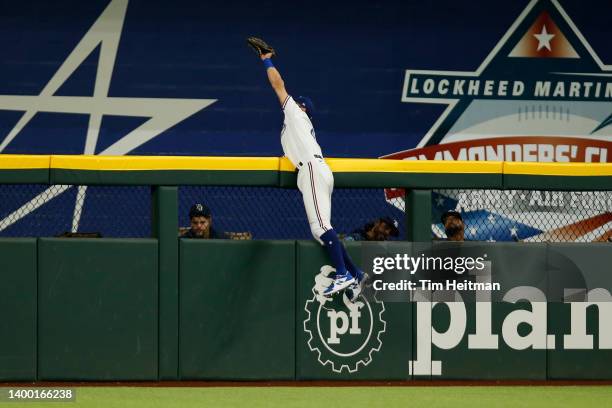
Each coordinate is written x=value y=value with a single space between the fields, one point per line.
x=97 y=309
x=18 y=315
x=247 y=310
x=237 y=309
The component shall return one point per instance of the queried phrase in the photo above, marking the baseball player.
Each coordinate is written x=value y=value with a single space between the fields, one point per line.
x=315 y=180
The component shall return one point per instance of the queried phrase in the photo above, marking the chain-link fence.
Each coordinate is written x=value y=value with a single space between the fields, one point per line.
x=527 y=215
x=29 y=210
x=277 y=213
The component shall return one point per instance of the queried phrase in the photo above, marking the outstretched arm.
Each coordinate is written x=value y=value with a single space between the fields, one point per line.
x=275 y=80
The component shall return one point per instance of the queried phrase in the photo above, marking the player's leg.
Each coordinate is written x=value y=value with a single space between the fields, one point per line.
x=359 y=278
x=354 y=290
x=316 y=190
x=350 y=266
x=348 y=262
x=317 y=203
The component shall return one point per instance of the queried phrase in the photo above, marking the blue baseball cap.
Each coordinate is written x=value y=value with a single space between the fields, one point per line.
x=199 y=210
x=306 y=102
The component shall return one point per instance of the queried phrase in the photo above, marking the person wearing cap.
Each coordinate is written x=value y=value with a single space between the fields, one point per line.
x=380 y=229
x=200 y=219
x=453 y=226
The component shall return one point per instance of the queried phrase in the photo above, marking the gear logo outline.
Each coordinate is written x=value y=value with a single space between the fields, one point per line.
x=326 y=355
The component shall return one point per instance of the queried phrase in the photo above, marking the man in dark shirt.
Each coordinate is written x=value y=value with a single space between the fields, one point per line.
x=200 y=218
x=453 y=226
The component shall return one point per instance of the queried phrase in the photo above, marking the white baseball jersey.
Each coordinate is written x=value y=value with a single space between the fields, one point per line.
x=315 y=180
x=298 y=135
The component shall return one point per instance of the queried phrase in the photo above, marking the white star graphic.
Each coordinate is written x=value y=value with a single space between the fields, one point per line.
x=439 y=201
x=513 y=231
x=473 y=230
x=163 y=112
x=491 y=218
x=544 y=39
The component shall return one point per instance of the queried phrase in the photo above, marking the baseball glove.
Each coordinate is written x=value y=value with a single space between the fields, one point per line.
x=260 y=46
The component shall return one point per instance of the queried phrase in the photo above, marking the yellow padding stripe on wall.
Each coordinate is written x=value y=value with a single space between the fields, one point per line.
x=558 y=169
x=23 y=161
x=128 y=163
x=404 y=166
x=413 y=166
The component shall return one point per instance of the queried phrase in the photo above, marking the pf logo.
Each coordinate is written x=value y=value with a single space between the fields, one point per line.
x=342 y=318
x=343 y=335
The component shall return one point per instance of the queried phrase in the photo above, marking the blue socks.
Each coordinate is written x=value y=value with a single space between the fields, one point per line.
x=339 y=257
x=350 y=266
x=334 y=250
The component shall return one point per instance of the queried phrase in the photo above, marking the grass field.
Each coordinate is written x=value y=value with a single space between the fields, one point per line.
x=380 y=396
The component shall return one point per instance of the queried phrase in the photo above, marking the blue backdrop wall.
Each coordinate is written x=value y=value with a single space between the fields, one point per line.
x=86 y=76
x=350 y=57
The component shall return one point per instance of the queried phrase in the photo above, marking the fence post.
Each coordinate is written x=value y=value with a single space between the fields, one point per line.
x=418 y=215
x=165 y=229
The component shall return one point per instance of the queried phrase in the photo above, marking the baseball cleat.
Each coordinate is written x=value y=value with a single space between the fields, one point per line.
x=327 y=292
x=355 y=289
x=340 y=283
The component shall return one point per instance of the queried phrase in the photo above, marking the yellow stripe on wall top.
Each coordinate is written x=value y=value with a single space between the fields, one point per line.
x=131 y=163
x=24 y=161
x=404 y=166
x=558 y=169
x=413 y=166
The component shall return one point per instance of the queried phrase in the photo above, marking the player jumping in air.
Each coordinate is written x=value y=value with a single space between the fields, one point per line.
x=315 y=180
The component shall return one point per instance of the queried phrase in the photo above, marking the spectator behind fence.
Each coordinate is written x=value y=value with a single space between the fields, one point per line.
x=200 y=219
x=380 y=229
x=453 y=226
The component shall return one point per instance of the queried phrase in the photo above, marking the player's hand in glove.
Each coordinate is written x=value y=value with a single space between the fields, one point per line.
x=260 y=47
x=266 y=53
